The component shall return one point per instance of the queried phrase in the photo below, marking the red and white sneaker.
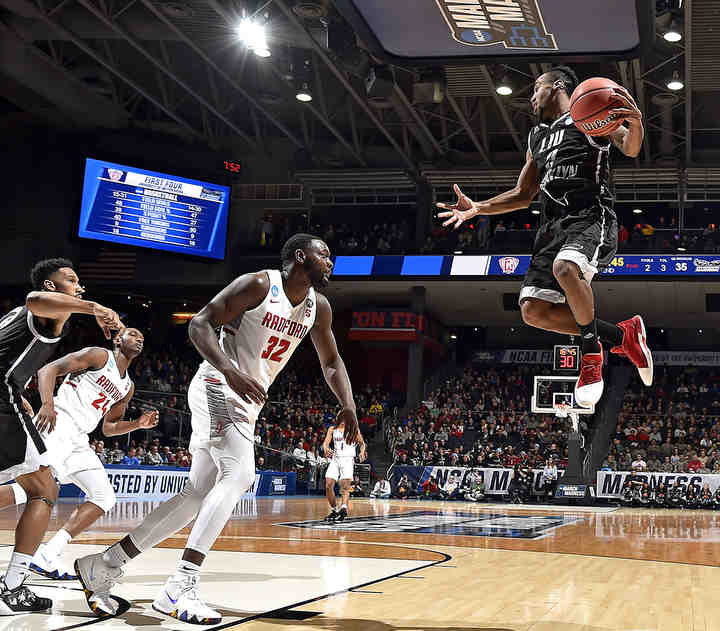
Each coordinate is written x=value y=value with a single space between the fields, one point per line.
x=589 y=386
x=634 y=347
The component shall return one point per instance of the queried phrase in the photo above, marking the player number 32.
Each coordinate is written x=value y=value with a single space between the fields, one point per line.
x=271 y=352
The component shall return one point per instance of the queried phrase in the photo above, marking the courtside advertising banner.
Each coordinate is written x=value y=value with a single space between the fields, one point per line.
x=447 y=478
x=153 y=483
x=609 y=483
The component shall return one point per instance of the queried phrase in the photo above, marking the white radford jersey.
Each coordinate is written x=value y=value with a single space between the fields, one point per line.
x=340 y=448
x=85 y=397
x=259 y=343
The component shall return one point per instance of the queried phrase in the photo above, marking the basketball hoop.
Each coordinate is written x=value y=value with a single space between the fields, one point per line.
x=562 y=410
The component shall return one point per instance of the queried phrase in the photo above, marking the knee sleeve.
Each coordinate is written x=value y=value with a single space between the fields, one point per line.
x=19 y=492
x=96 y=486
x=103 y=498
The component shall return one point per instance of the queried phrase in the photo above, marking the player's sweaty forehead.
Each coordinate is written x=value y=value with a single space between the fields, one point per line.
x=321 y=247
x=68 y=274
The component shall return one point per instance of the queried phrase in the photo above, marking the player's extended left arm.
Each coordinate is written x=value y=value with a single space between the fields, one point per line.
x=332 y=364
x=114 y=425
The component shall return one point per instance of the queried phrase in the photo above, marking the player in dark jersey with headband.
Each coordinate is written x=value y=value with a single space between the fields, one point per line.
x=578 y=227
x=29 y=337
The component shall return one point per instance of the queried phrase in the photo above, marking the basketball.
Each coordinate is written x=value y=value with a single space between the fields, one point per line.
x=590 y=106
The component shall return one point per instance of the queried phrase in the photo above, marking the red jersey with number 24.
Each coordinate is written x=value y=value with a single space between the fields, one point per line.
x=86 y=397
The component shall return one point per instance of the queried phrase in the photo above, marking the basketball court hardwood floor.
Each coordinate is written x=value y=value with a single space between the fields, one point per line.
x=415 y=565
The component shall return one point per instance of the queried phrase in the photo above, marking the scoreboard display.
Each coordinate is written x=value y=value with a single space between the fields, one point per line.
x=132 y=206
x=516 y=265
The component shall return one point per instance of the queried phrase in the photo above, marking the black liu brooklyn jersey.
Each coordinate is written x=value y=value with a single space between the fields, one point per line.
x=24 y=349
x=574 y=168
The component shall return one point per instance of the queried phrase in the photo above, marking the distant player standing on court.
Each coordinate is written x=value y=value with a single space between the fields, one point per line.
x=342 y=463
x=29 y=337
x=264 y=316
x=578 y=227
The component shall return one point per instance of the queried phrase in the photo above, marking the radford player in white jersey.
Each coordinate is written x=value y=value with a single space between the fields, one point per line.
x=342 y=460
x=97 y=387
x=264 y=316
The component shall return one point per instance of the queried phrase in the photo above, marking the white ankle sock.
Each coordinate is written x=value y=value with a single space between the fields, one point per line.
x=115 y=556
x=18 y=569
x=185 y=569
x=57 y=544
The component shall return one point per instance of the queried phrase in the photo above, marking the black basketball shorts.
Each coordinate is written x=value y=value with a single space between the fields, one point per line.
x=16 y=429
x=587 y=238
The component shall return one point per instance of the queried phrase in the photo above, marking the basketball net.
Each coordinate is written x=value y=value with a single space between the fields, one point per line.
x=563 y=410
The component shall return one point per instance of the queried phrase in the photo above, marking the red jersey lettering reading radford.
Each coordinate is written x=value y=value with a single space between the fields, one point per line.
x=283 y=325
x=109 y=387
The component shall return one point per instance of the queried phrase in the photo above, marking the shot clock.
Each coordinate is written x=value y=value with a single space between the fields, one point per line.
x=566 y=359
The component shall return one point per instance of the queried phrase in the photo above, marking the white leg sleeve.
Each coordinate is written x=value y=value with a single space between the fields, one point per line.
x=235 y=459
x=178 y=511
x=96 y=486
x=19 y=492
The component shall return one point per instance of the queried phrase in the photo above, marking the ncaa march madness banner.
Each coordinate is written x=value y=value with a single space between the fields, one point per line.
x=609 y=483
x=496 y=480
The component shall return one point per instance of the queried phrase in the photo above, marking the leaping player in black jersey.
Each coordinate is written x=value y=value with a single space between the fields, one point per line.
x=578 y=227
x=29 y=337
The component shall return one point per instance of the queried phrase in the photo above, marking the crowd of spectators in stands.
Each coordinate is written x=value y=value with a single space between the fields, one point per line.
x=481 y=418
x=647 y=232
x=141 y=452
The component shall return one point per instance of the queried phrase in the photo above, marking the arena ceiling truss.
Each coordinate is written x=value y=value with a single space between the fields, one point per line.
x=177 y=66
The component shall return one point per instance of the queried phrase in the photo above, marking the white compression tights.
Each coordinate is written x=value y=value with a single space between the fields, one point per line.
x=219 y=475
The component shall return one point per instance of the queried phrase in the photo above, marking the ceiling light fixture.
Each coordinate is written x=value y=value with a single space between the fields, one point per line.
x=504 y=88
x=675 y=83
x=673 y=33
x=303 y=94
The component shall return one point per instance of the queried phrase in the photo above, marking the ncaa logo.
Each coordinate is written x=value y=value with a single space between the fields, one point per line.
x=115 y=174
x=508 y=264
x=275 y=291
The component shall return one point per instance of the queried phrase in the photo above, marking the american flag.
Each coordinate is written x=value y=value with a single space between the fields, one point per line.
x=108 y=264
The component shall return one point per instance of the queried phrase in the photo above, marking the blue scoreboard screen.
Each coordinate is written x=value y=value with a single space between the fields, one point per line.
x=134 y=206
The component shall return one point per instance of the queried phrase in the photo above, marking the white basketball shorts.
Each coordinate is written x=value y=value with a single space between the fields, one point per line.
x=67 y=452
x=214 y=407
x=340 y=469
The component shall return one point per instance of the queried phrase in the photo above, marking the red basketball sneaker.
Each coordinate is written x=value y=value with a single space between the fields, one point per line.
x=589 y=387
x=634 y=347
